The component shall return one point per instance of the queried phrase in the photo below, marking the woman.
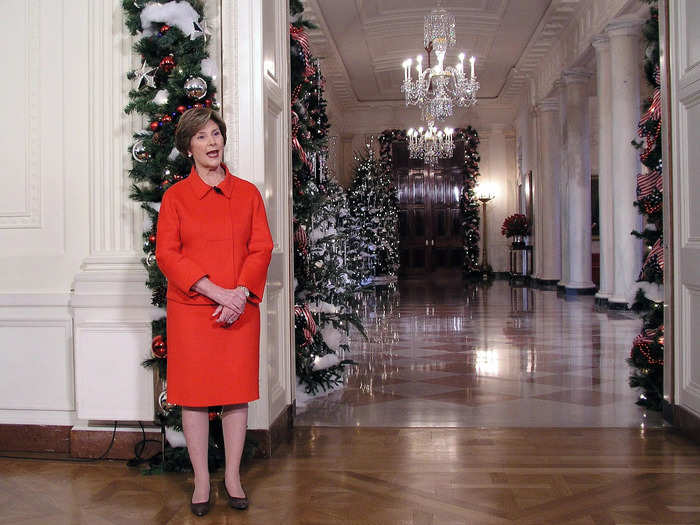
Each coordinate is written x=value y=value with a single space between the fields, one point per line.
x=214 y=245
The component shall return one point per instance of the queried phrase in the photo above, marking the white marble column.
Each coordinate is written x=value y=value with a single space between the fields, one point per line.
x=505 y=197
x=578 y=191
x=560 y=89
x=605 y=178
x=548 y=207
x=533 y=186
x=625 y=55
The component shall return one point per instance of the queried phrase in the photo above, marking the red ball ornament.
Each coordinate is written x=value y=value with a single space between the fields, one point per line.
x=151 y=238
x=154 y=126
x=207 y=102
x=167 y=63
x=167 y=118
x=181 y=109
x=158 y=347
x=164 y=28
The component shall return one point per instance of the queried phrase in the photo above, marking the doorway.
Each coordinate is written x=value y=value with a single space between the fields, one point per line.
x=430 y=229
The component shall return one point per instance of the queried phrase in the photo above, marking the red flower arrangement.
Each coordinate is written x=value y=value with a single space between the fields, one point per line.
x=516 y=225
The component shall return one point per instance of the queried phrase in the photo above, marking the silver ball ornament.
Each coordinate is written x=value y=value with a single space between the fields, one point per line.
x=138 y=151
x=196 y=87
x=151 y=259
x=163 y=402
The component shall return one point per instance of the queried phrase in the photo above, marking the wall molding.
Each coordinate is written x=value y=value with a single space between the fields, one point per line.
x=30 y=216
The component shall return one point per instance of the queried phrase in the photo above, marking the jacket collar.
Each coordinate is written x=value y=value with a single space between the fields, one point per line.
x=201 y=188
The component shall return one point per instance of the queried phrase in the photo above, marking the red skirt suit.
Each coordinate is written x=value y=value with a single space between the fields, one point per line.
x=223 y=235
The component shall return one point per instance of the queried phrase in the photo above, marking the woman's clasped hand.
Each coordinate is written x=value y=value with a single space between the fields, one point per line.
x=231 y=305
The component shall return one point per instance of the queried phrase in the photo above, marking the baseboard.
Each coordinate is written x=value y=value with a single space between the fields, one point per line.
x=545 y=284
x=667 y=411
x=79 y=443
x=279 y=432
x=601 y=302
x=93 y=443
x=578 y=291
x=687 y=422
x=617 y=306
x=35 y=438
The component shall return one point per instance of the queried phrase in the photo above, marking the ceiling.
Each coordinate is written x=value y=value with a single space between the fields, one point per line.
x=363 y=42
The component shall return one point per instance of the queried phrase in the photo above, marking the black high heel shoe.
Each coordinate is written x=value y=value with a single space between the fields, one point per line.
x=236 y=503
x=201 y=509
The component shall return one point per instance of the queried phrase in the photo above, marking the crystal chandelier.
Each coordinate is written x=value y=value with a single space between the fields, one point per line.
x=437 y=88
x=430 y=145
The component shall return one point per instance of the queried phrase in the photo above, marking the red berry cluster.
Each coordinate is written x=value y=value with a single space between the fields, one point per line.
x=167 y=63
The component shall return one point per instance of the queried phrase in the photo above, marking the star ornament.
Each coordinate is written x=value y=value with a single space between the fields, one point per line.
x=201 y=28
x=145 y=76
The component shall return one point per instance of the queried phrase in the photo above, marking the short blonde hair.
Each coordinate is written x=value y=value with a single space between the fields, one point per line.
x=191 y=122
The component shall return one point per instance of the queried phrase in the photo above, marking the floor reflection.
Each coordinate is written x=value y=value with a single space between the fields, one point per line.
x=484 y=354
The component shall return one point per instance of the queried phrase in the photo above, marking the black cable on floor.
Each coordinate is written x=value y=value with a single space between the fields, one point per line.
x=139 y=447
x=111 y=443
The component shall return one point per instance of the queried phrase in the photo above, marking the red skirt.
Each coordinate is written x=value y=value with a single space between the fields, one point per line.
x=210 y=364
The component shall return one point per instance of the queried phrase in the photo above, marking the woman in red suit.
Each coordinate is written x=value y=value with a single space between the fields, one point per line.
x=214 y=245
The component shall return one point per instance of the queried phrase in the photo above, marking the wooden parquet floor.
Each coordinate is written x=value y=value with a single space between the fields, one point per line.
x=393 y=476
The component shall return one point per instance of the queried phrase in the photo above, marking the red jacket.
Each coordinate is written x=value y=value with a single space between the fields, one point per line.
x=223 y=235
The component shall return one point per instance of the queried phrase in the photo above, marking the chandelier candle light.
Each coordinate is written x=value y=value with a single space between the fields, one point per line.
x=431 y=144
x=436 y=86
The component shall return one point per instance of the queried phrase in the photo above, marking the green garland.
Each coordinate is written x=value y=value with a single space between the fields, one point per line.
x=647 y=353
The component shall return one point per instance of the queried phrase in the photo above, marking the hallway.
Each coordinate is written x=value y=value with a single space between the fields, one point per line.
x=444 y=355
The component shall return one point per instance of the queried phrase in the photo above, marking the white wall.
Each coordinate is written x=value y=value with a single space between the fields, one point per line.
x=44 y=208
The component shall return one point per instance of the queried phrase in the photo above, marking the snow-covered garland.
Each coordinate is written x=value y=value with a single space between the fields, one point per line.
x=175 y=74
x=468 y=205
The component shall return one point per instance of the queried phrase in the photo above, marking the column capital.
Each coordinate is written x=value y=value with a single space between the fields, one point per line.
x=601 y=42
x=575 y=76
x=548 y=104
x=624 y=26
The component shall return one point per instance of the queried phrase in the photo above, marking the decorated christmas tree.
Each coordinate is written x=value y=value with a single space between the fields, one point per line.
x=175 y=74
x=325 y=286
x=647 y=354
x=375 y=213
